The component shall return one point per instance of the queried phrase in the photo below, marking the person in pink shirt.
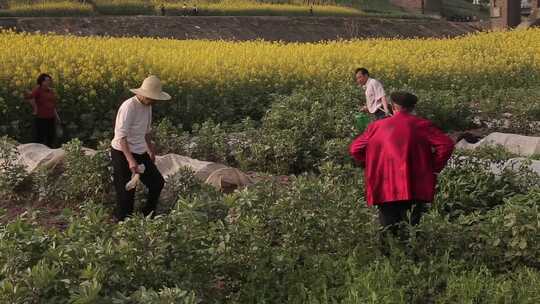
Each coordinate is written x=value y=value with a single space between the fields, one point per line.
x=401 y=156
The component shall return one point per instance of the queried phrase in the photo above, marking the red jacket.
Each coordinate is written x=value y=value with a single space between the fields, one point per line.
x=401 y=156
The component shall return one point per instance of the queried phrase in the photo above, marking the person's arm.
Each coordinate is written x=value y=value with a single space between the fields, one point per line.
x=362 y=105
x=363 y=108
x=132 y=163
x=57 y=116
x=148 y=139
x=358 y=147
x=380 y=94
x=443 y=145
x=124 y=120
x=31 y=99
x=151 y=147
x=385 y=105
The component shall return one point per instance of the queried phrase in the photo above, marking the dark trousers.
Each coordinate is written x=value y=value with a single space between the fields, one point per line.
x=380 y=114
x=151 y=178
x=392 y=214
x=45 y=131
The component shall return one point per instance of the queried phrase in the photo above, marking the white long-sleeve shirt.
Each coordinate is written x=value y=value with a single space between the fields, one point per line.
x=374 y=94
x=133 y=121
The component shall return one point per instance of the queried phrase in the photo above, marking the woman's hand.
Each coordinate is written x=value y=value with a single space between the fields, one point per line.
x=57 y=117
x=133 y=166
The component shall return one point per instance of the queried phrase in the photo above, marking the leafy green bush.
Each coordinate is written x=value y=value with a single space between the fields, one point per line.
x=20 y=244
x=449 y=110
x=309 y=241
x=210 y=142
x=12 y=174
x=95 y=260
x=503 y=238
x=171 y=139
x=85 y=176
x=296 y=129
x=470 y=183
x=277 y=238
x=508 y=236
x=164 y=296
x=184 y=186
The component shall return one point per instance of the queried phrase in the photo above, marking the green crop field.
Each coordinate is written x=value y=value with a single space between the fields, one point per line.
x=285 y=113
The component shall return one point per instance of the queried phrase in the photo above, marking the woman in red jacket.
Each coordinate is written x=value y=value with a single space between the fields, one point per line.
x=43 y=100
x=402 y=156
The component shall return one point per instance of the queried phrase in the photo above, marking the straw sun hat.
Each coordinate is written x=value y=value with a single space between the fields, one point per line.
x=151 y=88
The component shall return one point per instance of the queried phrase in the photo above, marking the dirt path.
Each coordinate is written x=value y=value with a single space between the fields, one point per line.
x=289 y=29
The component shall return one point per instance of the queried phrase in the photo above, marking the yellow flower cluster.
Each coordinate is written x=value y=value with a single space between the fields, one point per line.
x=101 y=64
x=256 y=8
x=95 y=73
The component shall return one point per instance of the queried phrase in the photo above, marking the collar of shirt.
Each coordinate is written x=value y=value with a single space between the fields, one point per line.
x=365 y=85
x=44 y=89
x=139 y=102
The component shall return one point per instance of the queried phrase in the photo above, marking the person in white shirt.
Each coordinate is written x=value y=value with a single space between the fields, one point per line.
x=376 y=102
x=132 y=146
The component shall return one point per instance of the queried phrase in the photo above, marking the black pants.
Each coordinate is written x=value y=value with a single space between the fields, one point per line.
x=392 y=215
x=151 y=178
x=379 y=114
x=45 y=131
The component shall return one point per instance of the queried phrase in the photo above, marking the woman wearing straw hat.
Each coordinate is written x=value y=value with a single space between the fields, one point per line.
x=132 y=147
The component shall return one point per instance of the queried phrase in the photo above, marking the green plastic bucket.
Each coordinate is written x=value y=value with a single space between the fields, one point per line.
x=361 y=120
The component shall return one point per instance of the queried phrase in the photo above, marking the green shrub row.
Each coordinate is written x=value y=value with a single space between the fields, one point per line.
x=309 y=241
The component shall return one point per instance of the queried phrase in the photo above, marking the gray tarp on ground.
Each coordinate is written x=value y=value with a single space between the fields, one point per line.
x=518 y=144
x=35 y=156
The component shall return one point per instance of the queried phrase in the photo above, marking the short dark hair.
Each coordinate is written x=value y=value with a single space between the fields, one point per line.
x=364 y=71
x=404 y=99
x=41 y=78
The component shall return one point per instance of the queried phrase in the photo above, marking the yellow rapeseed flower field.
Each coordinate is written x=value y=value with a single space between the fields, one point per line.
x=226 y=78
x=483 y=59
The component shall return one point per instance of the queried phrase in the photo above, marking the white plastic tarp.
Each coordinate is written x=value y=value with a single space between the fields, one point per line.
x=35 y=156
x=215 y=174
x=518 y=144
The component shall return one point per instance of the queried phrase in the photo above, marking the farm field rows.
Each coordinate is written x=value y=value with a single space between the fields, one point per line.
x=186 y=8
x=280 y=109
x=382 y=8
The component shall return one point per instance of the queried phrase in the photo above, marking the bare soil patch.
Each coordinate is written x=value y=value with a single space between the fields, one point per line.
x=288 y=29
